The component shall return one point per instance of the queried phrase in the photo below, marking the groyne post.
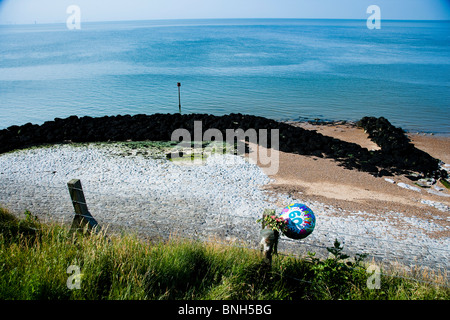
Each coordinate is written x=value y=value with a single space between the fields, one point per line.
x=179 y=96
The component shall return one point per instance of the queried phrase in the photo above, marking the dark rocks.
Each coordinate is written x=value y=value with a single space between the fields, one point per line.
x=397 y=154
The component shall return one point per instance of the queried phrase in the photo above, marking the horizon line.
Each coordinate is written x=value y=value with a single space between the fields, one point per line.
x=218 y=19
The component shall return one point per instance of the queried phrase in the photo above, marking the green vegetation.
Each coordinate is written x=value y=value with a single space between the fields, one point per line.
x=445 y=183
x=35 y=257
x=162 y=150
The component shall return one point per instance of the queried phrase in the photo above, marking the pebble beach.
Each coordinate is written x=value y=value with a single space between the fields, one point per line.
x=127 y=189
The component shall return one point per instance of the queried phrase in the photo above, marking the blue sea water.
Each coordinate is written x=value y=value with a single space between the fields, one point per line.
x=280 y=69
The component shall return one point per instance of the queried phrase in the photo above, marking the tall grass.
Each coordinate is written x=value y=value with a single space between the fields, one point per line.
x=34 y=260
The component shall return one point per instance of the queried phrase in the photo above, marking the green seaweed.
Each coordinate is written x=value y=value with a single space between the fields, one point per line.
x=445 y=183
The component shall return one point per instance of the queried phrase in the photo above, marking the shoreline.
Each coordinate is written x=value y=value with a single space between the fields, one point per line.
x=353 y=123
x=305 y=121
x=396 y=156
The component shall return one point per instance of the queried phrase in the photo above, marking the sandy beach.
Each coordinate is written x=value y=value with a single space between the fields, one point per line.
x=323 y=180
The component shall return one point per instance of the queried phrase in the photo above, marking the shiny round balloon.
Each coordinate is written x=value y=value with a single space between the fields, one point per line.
x=301 y=221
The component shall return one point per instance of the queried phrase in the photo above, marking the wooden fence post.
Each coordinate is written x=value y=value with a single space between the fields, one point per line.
x=269 y=239
x=82 y=215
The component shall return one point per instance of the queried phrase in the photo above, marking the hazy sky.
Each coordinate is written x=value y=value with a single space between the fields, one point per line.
x=45 y=11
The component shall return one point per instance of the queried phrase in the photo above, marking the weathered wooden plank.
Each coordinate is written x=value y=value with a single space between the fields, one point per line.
x=82 y=215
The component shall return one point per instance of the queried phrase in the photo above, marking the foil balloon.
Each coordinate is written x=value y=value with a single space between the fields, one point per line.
x=301 y=221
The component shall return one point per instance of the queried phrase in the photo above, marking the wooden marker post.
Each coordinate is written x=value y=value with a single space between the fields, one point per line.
x=268 y=239
x=82 y=215
x=179 y=96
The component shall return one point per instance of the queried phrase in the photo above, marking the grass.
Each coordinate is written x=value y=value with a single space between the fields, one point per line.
x=35 y=257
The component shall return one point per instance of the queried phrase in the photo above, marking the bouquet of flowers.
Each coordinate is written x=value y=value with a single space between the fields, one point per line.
x=275 y=223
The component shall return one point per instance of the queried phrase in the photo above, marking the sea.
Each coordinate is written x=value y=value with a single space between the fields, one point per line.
x=283 y=69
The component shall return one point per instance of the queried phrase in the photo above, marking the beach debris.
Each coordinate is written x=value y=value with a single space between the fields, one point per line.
x=440 y=206
x=437 y=193
x=445 y=166
x=407 y=186
x=425 y=182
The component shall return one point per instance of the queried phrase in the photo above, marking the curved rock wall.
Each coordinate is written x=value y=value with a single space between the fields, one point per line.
x=397 y=154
